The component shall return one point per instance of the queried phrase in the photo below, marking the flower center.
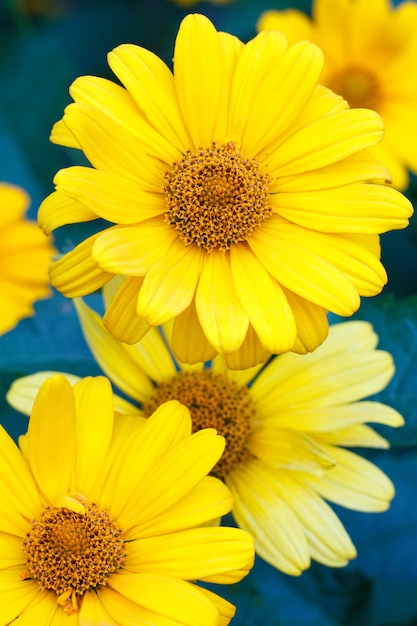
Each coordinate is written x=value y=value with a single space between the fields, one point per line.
x=359 y=88
x=214 y=401
x=215 y=197
x=70 y=552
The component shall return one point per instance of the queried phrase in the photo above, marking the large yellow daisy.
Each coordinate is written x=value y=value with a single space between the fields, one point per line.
x=370 y=51
x=25 y=255
x=242 y=195
x=287 y=426
x=106 y=521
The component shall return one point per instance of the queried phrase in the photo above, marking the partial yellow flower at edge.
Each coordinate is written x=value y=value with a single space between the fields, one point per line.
x=287 y=425
x=25 y=256
x=243 y=196
x=129 y=502
x=369 y=50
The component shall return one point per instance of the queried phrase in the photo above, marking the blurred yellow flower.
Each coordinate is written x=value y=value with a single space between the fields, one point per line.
x=242 y=195
x=286 y=426
x=104 y=521
x=370 y=51
x=25 y=255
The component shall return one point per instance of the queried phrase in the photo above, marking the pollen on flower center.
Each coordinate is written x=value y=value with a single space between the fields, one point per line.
x=69 y=552
x=359 y=88
x=214 y=401
x=215 y=197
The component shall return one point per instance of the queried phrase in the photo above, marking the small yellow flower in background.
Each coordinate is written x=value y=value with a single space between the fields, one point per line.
x=242 y=194
x=370 y=52
x=286 y=426
x=104 y=521
x=25 y=255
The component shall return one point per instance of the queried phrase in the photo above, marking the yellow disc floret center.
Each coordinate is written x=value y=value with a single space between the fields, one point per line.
x=214 y=401
x=359 y=88
x=215 y=197
x=70 y=552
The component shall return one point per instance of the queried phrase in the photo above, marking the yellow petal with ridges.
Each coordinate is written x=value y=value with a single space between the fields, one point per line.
x=311 y=322
x=354 y=483
x=121 y=319
x=356 y=436
x=20 y=495
x=58 y=209
x=357 y=208
x=209 y=499
x=109 y=196
x=266 y=49
x=250 y=353
x=188 y=341
x=221 y=315
x=225 y=609
x=118 y=103
x=23 y=391
x=222 y=554
x=19 y=596
x=279 y=100
x=151 y=84
x=329 y=139
x=132 y=250
x=111 y=148
x=95 y=414
x=93 y=613
x=124 y=611
x=76 y=273
x=263 y=301
x=304 y=272
x=198 y=77
x=183 y=603
x=62 y=136
x=230 y=49
x=116 y=359
x=51 y=437
x=169 y=286
x=179 y=471
x=279 y=536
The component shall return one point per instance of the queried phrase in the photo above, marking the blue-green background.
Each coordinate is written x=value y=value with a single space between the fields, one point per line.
x=41 y=53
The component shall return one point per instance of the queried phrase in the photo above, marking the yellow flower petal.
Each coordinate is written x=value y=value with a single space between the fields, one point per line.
x=23 y=391
x=294 y=24
x=311 y=322
x=109 y=196
x=92 y=611
x=120 y=317
x=279 y=537
x=188 y=341
x=263 y=301
x=17 y=596
x=198 y=77
x=95 y=415
x=51 y=437
x=169 y=286
x=221 y=315
x=120 y=362
x=150 y=82
x=127 y=612
x=220 y=554
x=355 y=483
x=58 y=209
x=76 y=273
x=133 y=250
x=183 y=603
x=225 y=609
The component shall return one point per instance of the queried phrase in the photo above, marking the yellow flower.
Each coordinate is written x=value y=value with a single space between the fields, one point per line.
x=104 y=521
x=286 y=425
x=370 y=50
x=25 y=255
x=243 y=199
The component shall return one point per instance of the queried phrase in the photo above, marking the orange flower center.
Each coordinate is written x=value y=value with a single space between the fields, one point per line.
x=215 y=197
x=359 y=88
x=71 y=553
x=214 y=401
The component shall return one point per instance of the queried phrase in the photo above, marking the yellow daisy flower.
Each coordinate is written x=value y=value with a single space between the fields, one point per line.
x=25 y=255
x=242 y=195
x=109 y=521
x=370 y=50
x=286 y=425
